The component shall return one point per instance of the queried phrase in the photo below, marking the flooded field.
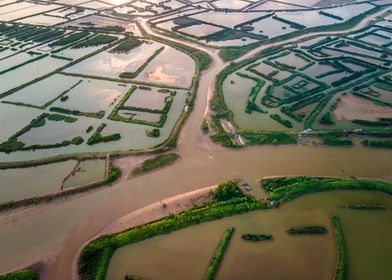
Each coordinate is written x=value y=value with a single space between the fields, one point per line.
x=302 y=257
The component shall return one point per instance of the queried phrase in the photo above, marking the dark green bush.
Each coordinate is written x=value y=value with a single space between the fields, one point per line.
x=307 y=230
x=227 y=190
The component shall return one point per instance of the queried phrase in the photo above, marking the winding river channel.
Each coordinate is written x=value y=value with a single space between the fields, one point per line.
x=54 y=233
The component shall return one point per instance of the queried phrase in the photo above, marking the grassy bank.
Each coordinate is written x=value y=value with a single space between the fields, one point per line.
x=219 y=253
x=256 y=237
x=284 y=189
x=24 y=274
x=155 y=163
x=307 y=230
x=341 y=265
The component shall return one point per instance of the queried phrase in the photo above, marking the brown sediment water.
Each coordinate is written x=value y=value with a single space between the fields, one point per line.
x=185 y=254
x=62 y=229
x=55 y=232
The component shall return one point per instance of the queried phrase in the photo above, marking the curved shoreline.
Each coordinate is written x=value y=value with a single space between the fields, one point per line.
x=150 y=213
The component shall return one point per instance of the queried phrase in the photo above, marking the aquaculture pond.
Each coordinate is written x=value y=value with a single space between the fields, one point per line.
x=271 y=27
x=236 y=90
x=9 y=124
x=133 y=135
x=200 y=30
x=92 y=96
x=43 y=92
x=29 y=72
x=42 y=179
x=185 y=254
x=110 y=64
x=323 y=83
x=170 y=67
x=86 y=172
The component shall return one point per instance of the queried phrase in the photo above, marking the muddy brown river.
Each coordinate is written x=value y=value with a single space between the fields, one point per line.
x=55 y=232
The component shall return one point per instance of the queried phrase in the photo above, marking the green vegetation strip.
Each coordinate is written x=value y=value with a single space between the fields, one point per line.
x=24 y=274
x=126 y=46
x=341 y=266
x=155 y=163
x=378 y=143
x=256 y=237
x=364 y=207
x=284 y=189
x=307 y=230
x=219 y=253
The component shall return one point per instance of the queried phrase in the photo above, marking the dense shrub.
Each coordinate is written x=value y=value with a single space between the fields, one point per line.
x=327 y=119
x=100 y=39
x=228 y=190
x=333 y=141
x=155 y=132
x=261 y=138
x=377 y=143
x=126 y=45
x=279 y=119
x=204 y=126
x=256 y=237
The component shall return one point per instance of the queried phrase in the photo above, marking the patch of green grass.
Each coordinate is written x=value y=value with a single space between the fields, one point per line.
x=307 y=230
x=126 y=45
x=377 y=143
x=155 y=163
x=25 y=274
x=341 y=266
x=284 y=189
x=219 y=253
x=100 y=39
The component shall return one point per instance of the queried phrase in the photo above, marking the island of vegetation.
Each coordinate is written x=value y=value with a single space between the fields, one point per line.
x=342 y=263
x=219 y=253
x=256 y=237
x=307 y=230
x=155 y=163
x=364 y=206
